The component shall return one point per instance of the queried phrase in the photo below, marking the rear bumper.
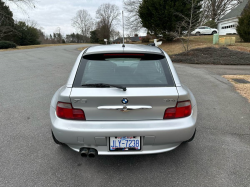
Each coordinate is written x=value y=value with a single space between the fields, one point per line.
x=157 y=136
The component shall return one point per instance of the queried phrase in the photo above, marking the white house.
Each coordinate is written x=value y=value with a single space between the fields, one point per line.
x=228 y=23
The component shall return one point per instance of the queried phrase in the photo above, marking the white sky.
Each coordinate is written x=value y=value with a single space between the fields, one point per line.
x=51 y=14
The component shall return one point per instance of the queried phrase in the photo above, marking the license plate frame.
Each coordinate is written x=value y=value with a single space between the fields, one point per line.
x=124 y=138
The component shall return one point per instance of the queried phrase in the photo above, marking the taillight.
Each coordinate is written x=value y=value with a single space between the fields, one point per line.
x=66 y=111
x=182 y=109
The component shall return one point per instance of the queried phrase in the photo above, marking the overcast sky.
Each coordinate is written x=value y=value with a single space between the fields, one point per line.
x=51 y=14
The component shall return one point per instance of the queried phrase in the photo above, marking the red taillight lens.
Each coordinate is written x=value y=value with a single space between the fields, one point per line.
x=66 y=111
x=182 y=109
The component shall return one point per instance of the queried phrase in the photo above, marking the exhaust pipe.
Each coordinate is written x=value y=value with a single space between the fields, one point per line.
x=92 y=153
x=84 y=152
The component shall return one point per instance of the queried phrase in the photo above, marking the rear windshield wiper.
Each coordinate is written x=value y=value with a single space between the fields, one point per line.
x=102 y=85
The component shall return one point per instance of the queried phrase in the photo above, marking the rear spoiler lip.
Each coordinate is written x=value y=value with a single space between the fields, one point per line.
x=121 y=51
x=135 y=54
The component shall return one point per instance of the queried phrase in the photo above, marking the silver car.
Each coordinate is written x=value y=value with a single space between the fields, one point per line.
x=123 y=101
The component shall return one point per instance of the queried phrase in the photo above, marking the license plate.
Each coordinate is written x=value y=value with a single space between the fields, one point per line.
x=125 y=143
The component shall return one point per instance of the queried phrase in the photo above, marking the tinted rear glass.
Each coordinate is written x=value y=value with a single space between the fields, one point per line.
x=125 y=71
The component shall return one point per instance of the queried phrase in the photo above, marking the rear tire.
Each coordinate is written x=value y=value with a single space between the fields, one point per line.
x=197 y=34
x=55 y=140
x=214 y=32
x=191 y=139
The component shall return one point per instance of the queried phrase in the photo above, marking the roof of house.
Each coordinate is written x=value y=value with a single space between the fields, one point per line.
x=236 y=12
x=118 y=40
x=135 y=39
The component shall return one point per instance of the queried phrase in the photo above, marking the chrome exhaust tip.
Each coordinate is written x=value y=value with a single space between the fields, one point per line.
x=92 y=153
x=84 y=152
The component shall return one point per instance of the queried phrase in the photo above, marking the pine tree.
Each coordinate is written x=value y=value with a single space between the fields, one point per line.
x=160 y=17
x=93 y=37
x=243 y=27
x=6 y=21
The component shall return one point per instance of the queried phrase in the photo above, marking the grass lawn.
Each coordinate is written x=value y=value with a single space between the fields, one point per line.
x=38 y=46
x=81 y=48
x=176 y=47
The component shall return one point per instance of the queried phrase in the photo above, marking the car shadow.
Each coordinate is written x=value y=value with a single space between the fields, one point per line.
x=124 y=161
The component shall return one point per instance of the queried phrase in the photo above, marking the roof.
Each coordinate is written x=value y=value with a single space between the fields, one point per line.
x=117 y=48
x=134 y=39
x=236 y=12
x=118 y=40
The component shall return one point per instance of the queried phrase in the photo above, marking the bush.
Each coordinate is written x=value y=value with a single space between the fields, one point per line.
x=168 y=37
x=145 y=39
x=7 y=45
x=243 y=27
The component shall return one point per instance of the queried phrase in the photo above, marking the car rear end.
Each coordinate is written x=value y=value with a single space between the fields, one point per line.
x=155 y=114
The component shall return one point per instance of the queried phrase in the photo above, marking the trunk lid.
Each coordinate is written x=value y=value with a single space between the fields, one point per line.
x=105 y=104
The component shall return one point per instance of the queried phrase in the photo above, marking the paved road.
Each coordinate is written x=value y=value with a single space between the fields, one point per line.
x=219 y=155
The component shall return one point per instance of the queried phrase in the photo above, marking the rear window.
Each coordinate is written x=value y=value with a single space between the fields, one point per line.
x=125 y=71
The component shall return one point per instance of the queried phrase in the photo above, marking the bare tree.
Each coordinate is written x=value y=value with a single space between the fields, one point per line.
x=132 y=19
x=20 y=3
x=115 y=34
x=30 y=22
x=189 y=23
x=215 y=9
x=83 y=22
x=107 y=16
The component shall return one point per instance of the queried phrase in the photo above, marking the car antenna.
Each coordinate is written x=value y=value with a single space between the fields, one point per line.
x=123 y=45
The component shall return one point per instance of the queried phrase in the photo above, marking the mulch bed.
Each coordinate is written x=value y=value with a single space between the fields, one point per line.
x=212 y=55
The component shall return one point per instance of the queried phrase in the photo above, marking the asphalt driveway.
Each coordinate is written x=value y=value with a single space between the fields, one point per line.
x=219 y=155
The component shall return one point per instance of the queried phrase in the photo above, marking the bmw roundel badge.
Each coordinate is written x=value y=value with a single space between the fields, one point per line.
x=124 y=101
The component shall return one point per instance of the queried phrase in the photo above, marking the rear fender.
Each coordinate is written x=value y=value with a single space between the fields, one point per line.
x=62 y=94
x=185 y=94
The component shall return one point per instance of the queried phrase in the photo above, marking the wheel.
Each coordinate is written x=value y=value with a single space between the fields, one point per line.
x=191 y=139
x=55 y=140
x=198 y=34
x=214 y=32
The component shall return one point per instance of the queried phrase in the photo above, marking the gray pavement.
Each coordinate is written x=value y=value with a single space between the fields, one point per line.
x=219 y=155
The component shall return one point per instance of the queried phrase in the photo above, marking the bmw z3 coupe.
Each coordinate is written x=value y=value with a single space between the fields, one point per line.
x=123 y=100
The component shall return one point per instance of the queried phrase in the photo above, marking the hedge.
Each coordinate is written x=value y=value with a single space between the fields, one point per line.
x=7 y=45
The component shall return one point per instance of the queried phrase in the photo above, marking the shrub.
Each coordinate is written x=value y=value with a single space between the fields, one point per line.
x=243 y=27
x=7 y=45
x=145 y=39
x=168 y=37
